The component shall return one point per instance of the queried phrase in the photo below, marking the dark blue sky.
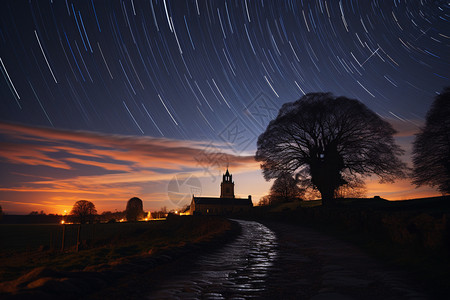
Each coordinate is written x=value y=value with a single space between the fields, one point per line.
x=206 y=76
x=184 y=69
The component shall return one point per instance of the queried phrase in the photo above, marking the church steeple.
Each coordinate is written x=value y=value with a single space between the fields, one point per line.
x=227 y=186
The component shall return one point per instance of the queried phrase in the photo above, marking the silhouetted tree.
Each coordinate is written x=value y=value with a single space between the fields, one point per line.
x=264 y=201
x=83 y=211
x=285 y=189
x=328 y=142
x=1 y=213
x=162 y=213
x=185 y=208
x=111 y=216
x=351 y=190
x=431 y=151
x=134 y=210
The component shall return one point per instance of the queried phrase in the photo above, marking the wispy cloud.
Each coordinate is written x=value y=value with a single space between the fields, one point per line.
x=35 y=155
x=53 y=168
x=101 y=166
x=40 y=146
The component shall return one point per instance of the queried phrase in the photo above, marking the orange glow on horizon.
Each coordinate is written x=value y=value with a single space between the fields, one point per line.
x=124 y=167
x=400 y=190
x=393 y=192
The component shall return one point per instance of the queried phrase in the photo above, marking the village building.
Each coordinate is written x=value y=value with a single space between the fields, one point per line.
x=225 y=205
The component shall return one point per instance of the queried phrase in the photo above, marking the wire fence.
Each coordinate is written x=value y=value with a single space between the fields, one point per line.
x=60 y=237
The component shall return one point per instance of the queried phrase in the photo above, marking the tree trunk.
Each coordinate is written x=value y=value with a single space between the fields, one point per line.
x=328 y=201
x=327 y=196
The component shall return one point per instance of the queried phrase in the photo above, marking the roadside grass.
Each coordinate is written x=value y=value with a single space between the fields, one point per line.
x=109 y=244
x=411 y=234
x=295 y=205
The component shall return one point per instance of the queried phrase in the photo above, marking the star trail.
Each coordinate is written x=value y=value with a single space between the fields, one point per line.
x=183 y=70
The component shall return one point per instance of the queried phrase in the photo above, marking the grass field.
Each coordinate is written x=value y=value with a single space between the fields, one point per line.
x=25 y=247
x=29 y=237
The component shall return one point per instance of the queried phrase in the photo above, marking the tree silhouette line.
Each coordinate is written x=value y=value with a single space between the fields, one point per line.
x=84 y=211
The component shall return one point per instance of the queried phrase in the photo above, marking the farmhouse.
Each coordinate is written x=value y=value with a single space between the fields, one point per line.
x=226 y=204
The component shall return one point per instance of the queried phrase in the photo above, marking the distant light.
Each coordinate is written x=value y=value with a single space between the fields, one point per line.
x=62 y=222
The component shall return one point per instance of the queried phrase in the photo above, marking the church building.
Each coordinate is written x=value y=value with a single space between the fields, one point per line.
x=225 y=205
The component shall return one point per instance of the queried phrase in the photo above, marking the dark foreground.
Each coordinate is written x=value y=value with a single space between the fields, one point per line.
x=286 y=262
x=266 y=261
x=119 y=266
x=311 y=265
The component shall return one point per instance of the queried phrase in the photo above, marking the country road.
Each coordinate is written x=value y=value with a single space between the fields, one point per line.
x=238 y=270
x=282 y=261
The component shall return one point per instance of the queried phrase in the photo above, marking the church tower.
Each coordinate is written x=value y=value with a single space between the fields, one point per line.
x=227 y=186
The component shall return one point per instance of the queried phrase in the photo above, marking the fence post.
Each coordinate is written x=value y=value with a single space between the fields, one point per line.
x=93 y=234
x=63 y=237
x=51 y=241
x=78 y=237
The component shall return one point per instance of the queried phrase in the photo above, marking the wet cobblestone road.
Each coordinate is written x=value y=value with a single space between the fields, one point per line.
x=237 y=271
x=282 y=261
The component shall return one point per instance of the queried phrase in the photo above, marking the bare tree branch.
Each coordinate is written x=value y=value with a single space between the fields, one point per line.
x=329 y=142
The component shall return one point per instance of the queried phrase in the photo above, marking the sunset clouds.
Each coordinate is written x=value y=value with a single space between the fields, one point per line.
x=37 y=146
x=50 y=169
x=102 y=167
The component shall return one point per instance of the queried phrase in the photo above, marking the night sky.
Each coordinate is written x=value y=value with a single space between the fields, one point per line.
x=106 y=100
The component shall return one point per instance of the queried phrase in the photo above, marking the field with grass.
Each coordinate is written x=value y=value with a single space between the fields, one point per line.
x=27 y=247
x=31 y=237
